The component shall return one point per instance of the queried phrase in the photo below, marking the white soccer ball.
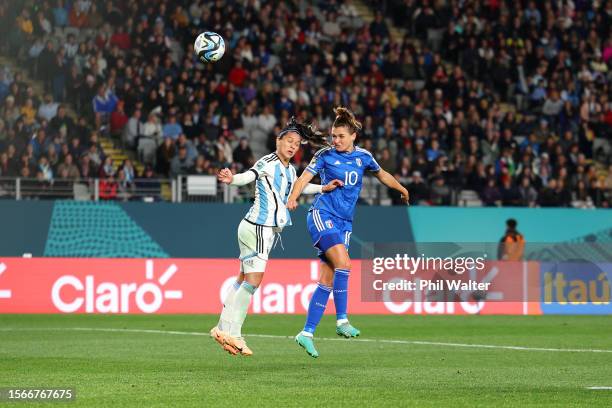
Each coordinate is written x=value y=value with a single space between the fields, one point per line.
x=209 y=46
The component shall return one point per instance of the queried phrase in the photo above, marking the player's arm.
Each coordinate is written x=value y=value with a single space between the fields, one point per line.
x=318 y=188
x=312 y=189
x=390 y=181
x=226 y=176
x=311 y=170
x=298 y=188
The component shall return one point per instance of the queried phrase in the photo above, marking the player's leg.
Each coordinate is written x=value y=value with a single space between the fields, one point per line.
x=253 y=266
x=221 y=330
x=341 y=288
x=246 y=243
x=239 y=308
x=316 y=308
x=228 y=300
x=338 y=258
x=323 y=237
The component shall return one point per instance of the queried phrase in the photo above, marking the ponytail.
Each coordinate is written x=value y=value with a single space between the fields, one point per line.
x=345 y=117
x=309 y=133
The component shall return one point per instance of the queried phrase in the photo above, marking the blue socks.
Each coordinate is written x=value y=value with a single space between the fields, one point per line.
x=317 y=305
x=318 y=302
x=341 y=277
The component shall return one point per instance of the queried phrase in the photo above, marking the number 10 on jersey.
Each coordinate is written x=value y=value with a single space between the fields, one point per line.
x=350 y=178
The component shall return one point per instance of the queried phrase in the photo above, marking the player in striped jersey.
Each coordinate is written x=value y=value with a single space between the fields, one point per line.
x=275 y=178
x=330 y=220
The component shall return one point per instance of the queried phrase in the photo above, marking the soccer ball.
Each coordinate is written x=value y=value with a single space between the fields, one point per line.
x=209 y=46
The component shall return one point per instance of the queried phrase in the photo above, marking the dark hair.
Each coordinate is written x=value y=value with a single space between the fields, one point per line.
x=345 y=117
x=511 y=223
x=308 y=132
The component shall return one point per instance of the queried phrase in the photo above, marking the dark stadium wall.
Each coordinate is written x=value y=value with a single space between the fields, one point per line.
x=24 y=227
x=188 y=230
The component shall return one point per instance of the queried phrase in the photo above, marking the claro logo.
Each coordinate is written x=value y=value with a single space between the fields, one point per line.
x=110 y=297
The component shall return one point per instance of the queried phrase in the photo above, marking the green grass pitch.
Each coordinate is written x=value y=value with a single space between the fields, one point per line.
x=127 y=367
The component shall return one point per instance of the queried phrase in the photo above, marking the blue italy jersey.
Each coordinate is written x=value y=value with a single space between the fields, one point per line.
x=347 y=167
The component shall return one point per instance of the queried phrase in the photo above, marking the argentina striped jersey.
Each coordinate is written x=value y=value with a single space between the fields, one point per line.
x=272 y=188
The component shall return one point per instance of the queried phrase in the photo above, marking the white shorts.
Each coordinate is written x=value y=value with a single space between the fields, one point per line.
x=255 y=242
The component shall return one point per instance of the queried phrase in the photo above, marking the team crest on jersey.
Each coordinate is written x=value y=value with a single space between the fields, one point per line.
x=260 y=165
x=358 y=161
x=329 y=224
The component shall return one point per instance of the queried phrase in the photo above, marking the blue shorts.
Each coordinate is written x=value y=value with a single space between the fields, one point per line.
x=327 y=231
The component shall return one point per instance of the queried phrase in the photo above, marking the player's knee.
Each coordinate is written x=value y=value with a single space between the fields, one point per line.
x=344 y=263
x=254 y=278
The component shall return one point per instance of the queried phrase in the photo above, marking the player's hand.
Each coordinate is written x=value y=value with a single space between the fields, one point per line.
x=406 y=197
x=225 y=176
x=291 y=204
x=332 y=185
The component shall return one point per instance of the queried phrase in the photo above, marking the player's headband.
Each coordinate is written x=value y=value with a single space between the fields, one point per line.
x=293 y=126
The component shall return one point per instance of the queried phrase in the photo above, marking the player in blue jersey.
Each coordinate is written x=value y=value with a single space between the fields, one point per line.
x=267 y=217
x=330 y=220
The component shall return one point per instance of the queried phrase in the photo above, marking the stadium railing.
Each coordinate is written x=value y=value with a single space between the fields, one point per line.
x=206 y=189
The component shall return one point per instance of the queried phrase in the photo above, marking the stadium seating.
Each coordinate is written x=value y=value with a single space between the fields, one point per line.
x=425 y=80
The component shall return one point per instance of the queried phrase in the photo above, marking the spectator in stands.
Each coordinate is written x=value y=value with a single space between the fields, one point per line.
x=528 y=195
x=510 y=195
x=242 y=154
x=491 y=195
x=419 y=192
x=118 y=120
x=104 y=104
x=45 y=168
x=147 y=185
x=150 y=138
x=180 y=164
x=172 y=129
x=28 y=112
x=125 y=189
x=548 y=196
x=440 y=193
x=61 y=124
x=108 y=188
x=68 y=168
x=132 y=129
x=129 y=172
x=107 y=169
x=48 y=109
x=95 y=157
x=200 y=166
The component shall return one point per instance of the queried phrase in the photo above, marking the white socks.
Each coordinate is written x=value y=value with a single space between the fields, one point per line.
x=226 y=313
x=240 y=306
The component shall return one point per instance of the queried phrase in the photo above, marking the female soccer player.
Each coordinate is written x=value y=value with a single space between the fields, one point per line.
x=266 y=218
x=330 y=220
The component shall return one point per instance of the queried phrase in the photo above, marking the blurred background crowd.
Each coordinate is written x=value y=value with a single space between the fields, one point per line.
x=487 y=102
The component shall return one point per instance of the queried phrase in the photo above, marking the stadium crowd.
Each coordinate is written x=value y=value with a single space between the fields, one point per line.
x=508 y=99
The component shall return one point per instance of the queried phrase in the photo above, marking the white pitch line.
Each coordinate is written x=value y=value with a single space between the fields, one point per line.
x=599 y=388
x=271 y=336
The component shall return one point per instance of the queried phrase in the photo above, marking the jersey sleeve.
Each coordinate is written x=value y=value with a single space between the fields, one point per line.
x=372 y=165
x=261 y=168
x=317 y=163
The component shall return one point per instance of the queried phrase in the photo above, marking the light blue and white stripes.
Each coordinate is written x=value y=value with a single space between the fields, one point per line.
x=272 y=189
